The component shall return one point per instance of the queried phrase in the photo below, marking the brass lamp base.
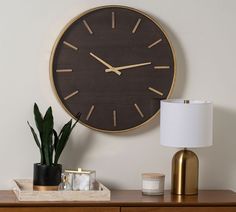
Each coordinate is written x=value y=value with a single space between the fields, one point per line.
x=185 y=173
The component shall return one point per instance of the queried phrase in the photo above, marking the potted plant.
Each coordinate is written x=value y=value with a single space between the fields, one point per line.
x=47 y=173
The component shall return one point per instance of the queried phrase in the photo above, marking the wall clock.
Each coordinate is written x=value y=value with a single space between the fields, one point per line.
x=113 y=64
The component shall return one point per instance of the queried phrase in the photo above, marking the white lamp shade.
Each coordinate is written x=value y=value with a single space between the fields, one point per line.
x=186 y=125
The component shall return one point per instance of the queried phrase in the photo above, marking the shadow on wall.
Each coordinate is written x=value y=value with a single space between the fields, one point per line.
x=76 y=149
x=218 y=163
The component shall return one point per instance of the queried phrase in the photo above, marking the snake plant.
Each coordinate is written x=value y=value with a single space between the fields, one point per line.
x=49 y=142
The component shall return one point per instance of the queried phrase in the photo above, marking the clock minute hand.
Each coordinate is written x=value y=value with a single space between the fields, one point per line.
x=111 y=68
x=127 y=67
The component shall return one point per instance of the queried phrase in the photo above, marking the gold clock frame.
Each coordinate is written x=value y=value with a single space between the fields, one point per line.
x=59 y=38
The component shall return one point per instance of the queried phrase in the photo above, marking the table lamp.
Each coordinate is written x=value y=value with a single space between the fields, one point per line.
x=185 y=124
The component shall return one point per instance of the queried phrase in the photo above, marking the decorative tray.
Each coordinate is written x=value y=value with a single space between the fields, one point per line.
x=24 y=192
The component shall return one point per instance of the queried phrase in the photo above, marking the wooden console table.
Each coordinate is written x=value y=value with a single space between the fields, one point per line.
x=130 y=201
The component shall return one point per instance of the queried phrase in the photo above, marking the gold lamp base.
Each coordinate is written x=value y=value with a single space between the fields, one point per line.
x=185 y=173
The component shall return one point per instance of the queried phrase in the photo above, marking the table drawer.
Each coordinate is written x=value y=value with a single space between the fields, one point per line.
x=178 y=209
x=59 y=209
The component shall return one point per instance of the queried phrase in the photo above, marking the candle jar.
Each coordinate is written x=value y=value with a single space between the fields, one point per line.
x=81 y=180
x=64 y=185
x=153 y=183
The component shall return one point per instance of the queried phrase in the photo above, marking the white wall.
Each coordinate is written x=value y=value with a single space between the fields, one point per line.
x=204 y=37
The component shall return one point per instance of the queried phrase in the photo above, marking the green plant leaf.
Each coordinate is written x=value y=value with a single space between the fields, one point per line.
x=47 y=136
x=36 y=141
x=55 y=142
x=55 y=139
x=38 y=118
x=34 y=135
x=39 y=124
x=63 y=138
x=77 y=120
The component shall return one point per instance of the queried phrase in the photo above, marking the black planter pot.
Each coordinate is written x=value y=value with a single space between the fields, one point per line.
x=46 y=177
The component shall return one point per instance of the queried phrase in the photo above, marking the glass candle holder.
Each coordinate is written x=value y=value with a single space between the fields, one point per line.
x=64 y=185
x=81 y=180
x=153 y=183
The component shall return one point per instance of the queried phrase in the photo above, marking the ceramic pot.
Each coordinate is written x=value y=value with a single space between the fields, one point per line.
x=46 y=178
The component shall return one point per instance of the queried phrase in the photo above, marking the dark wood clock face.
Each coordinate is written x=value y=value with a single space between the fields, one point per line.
x=113 y=64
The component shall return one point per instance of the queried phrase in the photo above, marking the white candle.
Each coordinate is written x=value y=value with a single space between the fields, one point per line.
x=153 y=183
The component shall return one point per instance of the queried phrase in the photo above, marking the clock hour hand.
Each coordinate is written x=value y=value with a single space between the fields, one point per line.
x=127 y=67
x=111 y=68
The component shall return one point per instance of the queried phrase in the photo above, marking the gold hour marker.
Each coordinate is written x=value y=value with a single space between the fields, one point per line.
x=155 y=43
x=155 y=91
x=90 y=112
x=138 y=109
x=161 y=67
x=88 y=27
x=114 y=118
x=70 y=45
x=63 y=70
x=113 y=20
x=136 y=25
x=70 y=95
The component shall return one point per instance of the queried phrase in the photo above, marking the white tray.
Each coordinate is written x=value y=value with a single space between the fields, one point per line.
x=24 y=192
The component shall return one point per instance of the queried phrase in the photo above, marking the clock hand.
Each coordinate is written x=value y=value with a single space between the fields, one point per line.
x=111 y=68
x=127 y=67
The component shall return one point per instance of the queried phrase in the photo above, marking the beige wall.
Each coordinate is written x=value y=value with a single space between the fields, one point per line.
x=204 y=37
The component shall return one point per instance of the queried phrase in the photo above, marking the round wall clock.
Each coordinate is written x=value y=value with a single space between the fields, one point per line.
x=113 y=64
